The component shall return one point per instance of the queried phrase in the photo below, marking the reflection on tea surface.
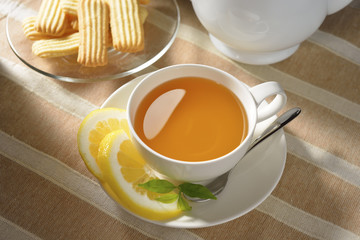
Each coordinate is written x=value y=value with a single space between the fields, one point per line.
x=160 y=111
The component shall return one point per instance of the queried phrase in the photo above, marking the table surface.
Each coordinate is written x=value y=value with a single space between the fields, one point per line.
x=46 y=192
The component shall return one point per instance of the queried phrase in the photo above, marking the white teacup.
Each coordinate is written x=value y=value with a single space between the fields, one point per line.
x=262 y=31
x=249 y=97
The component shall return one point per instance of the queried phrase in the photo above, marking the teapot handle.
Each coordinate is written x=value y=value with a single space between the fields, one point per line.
x=337 y=5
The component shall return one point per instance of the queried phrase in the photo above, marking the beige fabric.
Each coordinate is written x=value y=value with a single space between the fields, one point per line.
x=46 y=192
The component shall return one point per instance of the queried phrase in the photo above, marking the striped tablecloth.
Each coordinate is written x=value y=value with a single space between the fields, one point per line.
x=46 y=192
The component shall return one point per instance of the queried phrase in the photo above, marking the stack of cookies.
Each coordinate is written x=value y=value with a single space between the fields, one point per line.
x=86 y=28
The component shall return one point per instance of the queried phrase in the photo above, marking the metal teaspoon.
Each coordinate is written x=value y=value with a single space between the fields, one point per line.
x=219 y=183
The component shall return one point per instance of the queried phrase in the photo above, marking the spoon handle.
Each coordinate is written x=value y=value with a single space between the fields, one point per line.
x=280 y=122
x=219 y=183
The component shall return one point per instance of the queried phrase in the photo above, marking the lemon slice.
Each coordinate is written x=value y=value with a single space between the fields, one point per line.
x=95 y=126
x=123 y=169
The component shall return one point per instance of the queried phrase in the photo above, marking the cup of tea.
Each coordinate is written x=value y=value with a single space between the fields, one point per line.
x=195 y=122
x=262 y=31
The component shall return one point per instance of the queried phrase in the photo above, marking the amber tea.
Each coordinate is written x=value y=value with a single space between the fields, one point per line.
x=191 y=119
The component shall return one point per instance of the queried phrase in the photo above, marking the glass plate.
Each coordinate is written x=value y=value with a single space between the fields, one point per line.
x=160 y=29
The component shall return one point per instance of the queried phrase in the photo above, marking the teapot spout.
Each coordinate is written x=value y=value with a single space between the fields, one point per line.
x=337 y=5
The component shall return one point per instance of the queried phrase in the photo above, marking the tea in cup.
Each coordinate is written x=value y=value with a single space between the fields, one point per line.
x=262 y=31
x=191 y=119
x=195 y=122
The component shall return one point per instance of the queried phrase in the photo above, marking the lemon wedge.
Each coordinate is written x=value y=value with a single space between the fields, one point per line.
x=123 y=168
x=95 y=126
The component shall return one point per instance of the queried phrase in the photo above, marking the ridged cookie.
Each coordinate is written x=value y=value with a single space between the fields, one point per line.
x=93 y=16
x=51 y=19
x=57 y=47
x=69 y=6
x=126 y=26
x=32 y=34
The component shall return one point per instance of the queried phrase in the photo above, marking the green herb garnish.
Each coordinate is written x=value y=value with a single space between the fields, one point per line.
x=189 y=189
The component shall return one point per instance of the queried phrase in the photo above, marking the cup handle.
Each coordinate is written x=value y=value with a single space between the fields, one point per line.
x=261 y=92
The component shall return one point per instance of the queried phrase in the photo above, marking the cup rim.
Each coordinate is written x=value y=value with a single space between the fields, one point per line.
x=203 y=162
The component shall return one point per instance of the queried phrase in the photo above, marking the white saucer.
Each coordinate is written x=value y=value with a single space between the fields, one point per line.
x=250 y=183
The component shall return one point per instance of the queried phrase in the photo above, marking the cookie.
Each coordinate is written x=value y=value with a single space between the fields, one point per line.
x=51 y=19
x=57 y=47
x=93 y=16
x=126 y=26
x=69 y=6
x=32 y=34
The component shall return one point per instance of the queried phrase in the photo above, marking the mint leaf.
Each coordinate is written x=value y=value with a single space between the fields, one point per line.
x=168 y=198
x=158 y=186
x=189 y=189
x=183 y=205
x=196 y=190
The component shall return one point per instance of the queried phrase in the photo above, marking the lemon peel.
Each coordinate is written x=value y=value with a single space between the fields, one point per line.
x=94 y=127
x=123 y=170
x=104 y=144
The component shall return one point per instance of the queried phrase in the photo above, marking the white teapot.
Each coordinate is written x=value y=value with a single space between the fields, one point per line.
x=262 y=31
